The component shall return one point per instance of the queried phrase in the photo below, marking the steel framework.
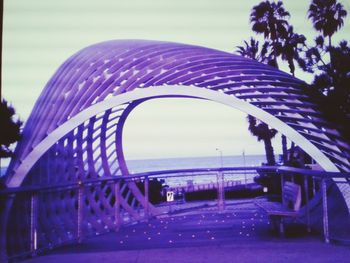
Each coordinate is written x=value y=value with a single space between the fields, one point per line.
x=75 y=130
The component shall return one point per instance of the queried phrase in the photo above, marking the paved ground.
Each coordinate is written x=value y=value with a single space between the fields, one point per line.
x=240 y=234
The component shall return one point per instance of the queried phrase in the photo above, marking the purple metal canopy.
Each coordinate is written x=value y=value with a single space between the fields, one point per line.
x=75 y=129
x=103 y=71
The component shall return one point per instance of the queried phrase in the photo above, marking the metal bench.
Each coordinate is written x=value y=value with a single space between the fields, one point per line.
x=289 y=208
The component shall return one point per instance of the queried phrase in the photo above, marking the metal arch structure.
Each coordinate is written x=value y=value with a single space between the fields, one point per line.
x=108 y=69
x=136 y=97
x=105 y=70
x=75 y=130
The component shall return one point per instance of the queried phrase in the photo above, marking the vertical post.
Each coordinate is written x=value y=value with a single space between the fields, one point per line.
x=306 y=190
x=313 y=186
x=245 y=172
x=146 y=186
x=325 y=211
x=4 y=215
x=80 y=212
x=221 y=157
x=117 y=216
x=221 y=191
x=33 y=223
x=282 y=187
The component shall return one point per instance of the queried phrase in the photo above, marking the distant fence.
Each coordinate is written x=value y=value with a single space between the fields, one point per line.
x=207 y=186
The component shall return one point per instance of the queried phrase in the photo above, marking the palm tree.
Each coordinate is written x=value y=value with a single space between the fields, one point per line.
x=252 y=50
x=269 y=18
x=263 y=133
x=10 y=129
x=327 y=17
x=259 y=129
x=333 y=86
x=290 y=48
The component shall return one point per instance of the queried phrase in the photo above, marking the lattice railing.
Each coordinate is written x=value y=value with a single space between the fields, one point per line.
x=38 y=218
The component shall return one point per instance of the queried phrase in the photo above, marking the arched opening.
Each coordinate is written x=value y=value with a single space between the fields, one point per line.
x=98 y=196
x=178 y=129
x=165 y=91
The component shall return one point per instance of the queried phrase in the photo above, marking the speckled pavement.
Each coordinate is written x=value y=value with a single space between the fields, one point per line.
x=240 y=233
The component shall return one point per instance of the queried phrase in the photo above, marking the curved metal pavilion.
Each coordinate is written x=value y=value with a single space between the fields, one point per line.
x=100 y=73
x=75 y=130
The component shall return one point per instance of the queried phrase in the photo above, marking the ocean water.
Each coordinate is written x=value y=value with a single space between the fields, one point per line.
x=137 y=166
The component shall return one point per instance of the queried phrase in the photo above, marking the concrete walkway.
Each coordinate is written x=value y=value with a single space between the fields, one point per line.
x=240 y=234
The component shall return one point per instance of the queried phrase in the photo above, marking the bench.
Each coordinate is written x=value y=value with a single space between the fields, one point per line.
x=289 y=208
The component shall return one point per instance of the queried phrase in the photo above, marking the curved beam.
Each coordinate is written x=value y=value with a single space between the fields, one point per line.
x=119 y=136
x=164 y=91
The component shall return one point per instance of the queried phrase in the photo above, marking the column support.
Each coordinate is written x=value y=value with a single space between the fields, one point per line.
x=221 y=191
x=306 y=190
x=146 y=186
x=325 y=211
x=33 y=222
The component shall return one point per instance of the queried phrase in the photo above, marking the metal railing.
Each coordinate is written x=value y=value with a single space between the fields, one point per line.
x=76 y=210
x=322 y=183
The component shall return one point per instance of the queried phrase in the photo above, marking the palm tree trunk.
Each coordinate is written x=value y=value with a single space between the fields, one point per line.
x=284 y=148
x=275 y=53
x=291 y=66
x=270 y=156
x=329 y=50
x=291 y=154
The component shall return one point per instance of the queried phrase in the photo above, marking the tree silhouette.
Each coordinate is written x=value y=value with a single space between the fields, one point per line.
x=332 y=79
x=269 y=18
x=10 y=129
x=333 y=86
x=290 y=49
x=327 y=17
x=253 y=50
x=257 y=128
x=263 y=133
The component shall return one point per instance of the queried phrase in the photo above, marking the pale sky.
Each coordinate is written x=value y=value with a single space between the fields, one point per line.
x=39 y=35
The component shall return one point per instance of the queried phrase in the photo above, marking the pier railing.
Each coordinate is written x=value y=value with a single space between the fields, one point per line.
x=37 y=218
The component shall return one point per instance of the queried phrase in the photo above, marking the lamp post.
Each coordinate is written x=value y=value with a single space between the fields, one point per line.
x=221 y=186
x=245 y=172
x=221 y=159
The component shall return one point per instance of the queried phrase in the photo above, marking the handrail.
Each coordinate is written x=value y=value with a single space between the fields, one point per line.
x=79 y=185
x=175 y=173
x=130 y=177
x=313 y=173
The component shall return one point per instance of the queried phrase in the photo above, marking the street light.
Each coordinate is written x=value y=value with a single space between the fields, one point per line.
x=221 y=161
x=221 y=184
x=245 y=172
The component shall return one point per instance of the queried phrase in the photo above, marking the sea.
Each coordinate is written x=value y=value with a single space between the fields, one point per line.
x=138 y=166
x=147 y=165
